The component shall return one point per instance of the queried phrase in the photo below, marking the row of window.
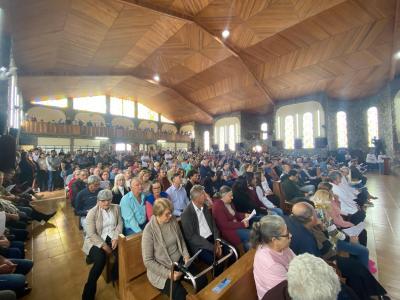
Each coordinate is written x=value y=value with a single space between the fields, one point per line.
x=118 y=107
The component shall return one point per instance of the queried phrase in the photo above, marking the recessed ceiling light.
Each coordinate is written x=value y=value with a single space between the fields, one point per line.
x=397 y=55
x=225 y=33
x=156 y=78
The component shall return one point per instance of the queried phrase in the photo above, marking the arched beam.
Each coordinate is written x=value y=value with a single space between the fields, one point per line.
x=188 y=18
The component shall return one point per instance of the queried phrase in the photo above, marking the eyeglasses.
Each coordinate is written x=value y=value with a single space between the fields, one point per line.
x=287 y=235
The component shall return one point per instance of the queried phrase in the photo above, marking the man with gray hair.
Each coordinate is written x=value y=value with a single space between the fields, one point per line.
x=199 y=228
x=87 y=198
x=311 y=278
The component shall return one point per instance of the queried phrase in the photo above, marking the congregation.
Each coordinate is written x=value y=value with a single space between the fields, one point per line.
x=183 y=202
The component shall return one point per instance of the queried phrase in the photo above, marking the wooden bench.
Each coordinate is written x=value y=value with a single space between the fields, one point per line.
x=241 y=286
x=133 y=282
x=278 y=191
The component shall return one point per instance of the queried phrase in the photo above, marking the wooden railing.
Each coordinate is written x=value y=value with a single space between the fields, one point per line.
x=52 y=129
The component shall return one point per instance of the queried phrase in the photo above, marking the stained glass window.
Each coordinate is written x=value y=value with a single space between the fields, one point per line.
x=289 y=132
x=206 y=140
x=264 y=131
x=52 y=102
x=146 y=113
x=165 y=120
x=341 y=127
x=94 y=104
x=308 y=132
x=372 y=119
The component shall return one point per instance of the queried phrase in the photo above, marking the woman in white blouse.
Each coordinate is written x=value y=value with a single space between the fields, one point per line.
x=119 y=190
x=265 y=194
x=103 y=225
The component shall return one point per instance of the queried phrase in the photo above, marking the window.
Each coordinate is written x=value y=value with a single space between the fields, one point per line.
x=222 y=138
x=146 y=113
x=123 y=147
x=94 y=104
x=206 y=140
x=122 y=107
x=278 y=128
x=341 y=127
x=308 y=133
x=52 y=102
x=165 y=120
x=231 y=137
x=289 y=132
x=264 y=131
x=318 y=123
x=372 y=119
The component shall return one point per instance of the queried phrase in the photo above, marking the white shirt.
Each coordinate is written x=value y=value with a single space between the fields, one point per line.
x=262 y=198
x=347 y=204
x=205 y=231
x=108 y=224
x=121 y=190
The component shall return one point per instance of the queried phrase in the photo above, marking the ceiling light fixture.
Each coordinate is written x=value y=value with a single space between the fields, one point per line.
x=156 y=78
x=225 y=33
x=397 y=55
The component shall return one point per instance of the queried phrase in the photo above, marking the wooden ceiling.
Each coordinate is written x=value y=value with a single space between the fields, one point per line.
x=277 y=50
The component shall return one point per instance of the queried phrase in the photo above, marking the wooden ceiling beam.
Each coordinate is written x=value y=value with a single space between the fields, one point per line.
x=396 y=41
x=168 y=12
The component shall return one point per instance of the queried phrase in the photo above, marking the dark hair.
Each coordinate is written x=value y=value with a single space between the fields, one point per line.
x=191 y=173
x=292 y=173
x=249 y=177
x=154 y=182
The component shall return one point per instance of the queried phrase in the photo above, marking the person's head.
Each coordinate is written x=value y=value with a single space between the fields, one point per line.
x=198 y=195
x=250 y=179
x=100 y=165
x=286 y=168
x=311 y=278
x=335 y=177
x=119 y=181
x=304 y=213
x=97 y=172
x=93 y=182
x=162 y=210
x=104 y=198
x=344 y=171
x=127 y=174
x=105 y=175
x=194 y=176
x=322 y=198
x=176 y=179
x=42 y=155
x=271 y=230
x=174 y=166
x=226 y=166
x=293 y=175
x=136 y=186
x=226 y=194
x=53 y=153
x=83 y=175
x=205 y=162
x=163 y=173
x=144 y=175
x=155 y=187
x=213 y=176
x=324 y=185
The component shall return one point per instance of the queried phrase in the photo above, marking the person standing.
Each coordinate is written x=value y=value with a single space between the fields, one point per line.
x=53 y=164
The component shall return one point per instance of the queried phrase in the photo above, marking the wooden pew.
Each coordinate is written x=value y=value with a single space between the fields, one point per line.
x=241 y=286
x=285 y=205
x=133 y=282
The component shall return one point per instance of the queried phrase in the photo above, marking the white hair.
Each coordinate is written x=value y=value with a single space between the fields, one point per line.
x=311 y=278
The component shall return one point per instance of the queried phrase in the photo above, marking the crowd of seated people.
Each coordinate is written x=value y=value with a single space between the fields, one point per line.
x=216 y=195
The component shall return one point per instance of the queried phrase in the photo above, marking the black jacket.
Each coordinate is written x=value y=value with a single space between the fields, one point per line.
x=117 y=196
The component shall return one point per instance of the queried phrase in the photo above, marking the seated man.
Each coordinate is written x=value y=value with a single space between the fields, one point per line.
x=133 y=209
x=194 y=178
x=307 y=237
x=177 y=194
x=356 y=174
x=87 y=198
x=199 y=227
x=292 y=191
x=78 y=185
x=348 y=206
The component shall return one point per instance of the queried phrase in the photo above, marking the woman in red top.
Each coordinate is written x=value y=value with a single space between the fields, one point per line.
x=231 y=224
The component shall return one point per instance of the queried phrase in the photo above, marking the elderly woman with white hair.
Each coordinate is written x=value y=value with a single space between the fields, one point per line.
x=271 y=238
x=311 y=278
x=103 y=225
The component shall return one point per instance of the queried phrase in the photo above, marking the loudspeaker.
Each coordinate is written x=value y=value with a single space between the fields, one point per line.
x=277 y=144
x=8 y=148
x=298 y=144
x=321 y=142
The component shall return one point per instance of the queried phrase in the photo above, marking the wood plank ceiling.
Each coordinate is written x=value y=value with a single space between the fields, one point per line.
x=277 y=50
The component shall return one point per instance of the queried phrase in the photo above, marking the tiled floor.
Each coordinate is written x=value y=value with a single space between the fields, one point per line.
x=60 y=270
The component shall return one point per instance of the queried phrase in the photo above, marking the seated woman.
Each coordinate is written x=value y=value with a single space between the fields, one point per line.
x=119 y=190
x=242 y=199
x=144 y=177
x=230 y=223
x=105 y=182
x=103 y=225
x=265 y=194
x=162 y=245
x=155 y=193
x=271 y=238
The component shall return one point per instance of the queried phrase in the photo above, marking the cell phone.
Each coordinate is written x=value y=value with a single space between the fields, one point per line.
x=220 y=286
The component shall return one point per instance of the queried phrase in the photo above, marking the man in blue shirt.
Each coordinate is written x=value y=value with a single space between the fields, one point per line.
x=177 y=194
x=133 y=209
